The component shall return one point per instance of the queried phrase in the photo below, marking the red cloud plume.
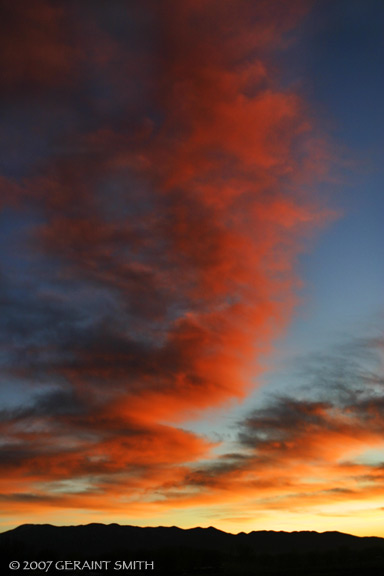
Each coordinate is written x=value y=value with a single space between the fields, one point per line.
x=162 y=235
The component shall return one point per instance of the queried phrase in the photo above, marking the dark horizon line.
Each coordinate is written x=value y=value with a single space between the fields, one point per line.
x=162 y=527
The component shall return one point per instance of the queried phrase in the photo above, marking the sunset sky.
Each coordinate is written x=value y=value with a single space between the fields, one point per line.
x=192 y=263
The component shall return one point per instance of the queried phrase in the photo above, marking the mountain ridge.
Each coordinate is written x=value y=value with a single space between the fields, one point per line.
x=199 y=551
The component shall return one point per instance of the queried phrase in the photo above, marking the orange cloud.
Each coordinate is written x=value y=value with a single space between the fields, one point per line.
x=161 y=242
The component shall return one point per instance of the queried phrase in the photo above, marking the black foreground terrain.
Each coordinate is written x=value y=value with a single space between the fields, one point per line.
x=112 y=549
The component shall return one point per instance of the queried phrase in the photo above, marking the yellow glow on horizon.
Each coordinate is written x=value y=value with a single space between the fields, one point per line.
x=357 y=518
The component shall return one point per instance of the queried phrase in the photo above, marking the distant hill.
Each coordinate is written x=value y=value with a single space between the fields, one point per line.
x=114 y=549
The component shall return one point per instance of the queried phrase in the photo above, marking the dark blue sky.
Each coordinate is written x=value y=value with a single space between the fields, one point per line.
x=338 y=62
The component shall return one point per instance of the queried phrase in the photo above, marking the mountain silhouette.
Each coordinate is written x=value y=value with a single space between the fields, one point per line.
x=112 y=549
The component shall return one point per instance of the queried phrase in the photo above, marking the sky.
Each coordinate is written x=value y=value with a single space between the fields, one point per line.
x=191 y=264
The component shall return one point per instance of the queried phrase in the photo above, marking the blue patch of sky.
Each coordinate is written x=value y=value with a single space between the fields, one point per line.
x=337 y=60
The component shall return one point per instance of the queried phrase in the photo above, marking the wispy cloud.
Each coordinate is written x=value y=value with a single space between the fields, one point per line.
x=321 y=445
